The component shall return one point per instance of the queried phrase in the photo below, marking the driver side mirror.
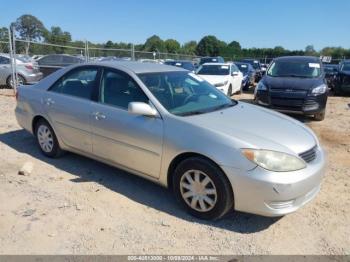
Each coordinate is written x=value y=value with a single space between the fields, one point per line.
x=140 y=108
x=234 y=74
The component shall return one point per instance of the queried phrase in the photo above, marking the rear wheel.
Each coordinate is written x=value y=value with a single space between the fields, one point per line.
x=202 y=188
x=47 y=139
x=320 y=116
x=10 y=84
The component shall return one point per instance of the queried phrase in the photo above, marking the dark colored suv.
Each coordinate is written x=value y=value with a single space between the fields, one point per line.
x=257 y=67
x=343 y=78
x=294 y=84
x=51 y=63
x=331 y=74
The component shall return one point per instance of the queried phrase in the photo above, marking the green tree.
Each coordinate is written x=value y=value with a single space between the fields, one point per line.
x=189 y=48
x=29 y=28
x=172 y=46
x=209 y=46
x=4 y=34
x=154 y=44
x=310 y=50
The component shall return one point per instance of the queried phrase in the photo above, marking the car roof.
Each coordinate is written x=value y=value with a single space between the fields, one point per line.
x=138 y=67
x=298 y=58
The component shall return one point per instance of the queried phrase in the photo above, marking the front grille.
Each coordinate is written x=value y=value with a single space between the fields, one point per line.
x=309 y=155
x=286 y=91
x=288 y=103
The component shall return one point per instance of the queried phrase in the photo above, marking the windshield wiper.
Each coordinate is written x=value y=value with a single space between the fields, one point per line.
x=191 y=113
x=220 y=107
x=212 y=109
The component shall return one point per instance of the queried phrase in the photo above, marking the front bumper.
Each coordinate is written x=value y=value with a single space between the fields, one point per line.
x=292 y=102
x=268 y=193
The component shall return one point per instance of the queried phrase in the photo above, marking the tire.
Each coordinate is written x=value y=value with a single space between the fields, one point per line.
x=229 y=91
x=216 y=181
x=240 y=91
x=320 y=116
x=47 y=140
x=21 y=80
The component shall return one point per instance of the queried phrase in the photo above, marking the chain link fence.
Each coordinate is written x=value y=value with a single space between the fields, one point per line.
x=48 y=57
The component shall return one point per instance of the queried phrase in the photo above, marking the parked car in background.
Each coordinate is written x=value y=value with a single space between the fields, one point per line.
x=51 y=63
x=186 y=64
x=343 y=79
x=36 y=57
x=152 y=61
x=168 y=125
x=248 y=74
x=294 y=84
x=263 y=68
x=27 y=71
x=257 y=67
x=331 y=74
x=211 y=59
x=225 y=77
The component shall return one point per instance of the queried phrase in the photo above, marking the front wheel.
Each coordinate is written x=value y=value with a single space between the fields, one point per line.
x=202 y=188
x=320 y=116
x=229 y=91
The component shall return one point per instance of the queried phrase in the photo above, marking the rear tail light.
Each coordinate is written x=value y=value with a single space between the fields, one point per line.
x=29 y=66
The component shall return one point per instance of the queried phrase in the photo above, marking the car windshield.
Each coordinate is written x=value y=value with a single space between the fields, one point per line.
x=183 y=93
x=304 y=69
x=243 y=68
x=330 y=68
x=345 y=67
x=255 y=64
x=214 y=70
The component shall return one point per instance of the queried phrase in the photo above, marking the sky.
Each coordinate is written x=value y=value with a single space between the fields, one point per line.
x=293 y=24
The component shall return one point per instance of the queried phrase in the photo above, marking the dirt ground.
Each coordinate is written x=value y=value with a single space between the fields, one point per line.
x=74 y=205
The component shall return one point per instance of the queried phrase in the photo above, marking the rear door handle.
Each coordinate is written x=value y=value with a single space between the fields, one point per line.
x=98 y=116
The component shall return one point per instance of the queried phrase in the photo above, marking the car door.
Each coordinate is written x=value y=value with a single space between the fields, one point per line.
x=5 y=69
x=131 y=141
x=237 y=78
x=68 y=106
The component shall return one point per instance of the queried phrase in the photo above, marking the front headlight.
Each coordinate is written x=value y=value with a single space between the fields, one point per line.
x=319 y=90
x=221 y=84
x=273 y=160
x=261 y=86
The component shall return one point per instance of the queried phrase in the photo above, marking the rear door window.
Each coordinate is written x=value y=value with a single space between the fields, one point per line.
x=4 y=60
x=79 y=83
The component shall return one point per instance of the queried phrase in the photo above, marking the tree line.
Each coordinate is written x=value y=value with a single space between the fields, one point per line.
x=28 y=27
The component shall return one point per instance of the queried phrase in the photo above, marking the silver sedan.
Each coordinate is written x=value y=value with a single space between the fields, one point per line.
x=168 y=125
x=27 y=71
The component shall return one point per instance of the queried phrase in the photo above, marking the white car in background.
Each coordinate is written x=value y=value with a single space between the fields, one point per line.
x=224 y=76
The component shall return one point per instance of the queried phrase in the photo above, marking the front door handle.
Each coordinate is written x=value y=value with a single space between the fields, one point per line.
x=98 y=115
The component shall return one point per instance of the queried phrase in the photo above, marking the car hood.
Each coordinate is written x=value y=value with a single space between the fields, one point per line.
x=249 y=126
x=292 y=82
x=214 y=79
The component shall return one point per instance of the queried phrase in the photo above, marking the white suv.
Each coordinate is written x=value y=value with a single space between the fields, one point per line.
x=224 y=76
